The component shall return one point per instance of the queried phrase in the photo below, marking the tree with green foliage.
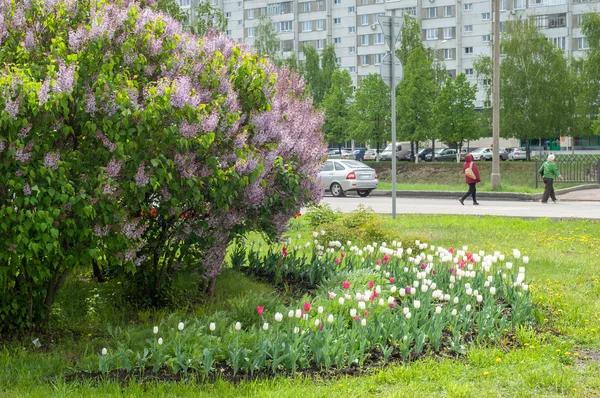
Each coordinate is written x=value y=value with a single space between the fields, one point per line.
x=535 y=95
x=588 y=73
x=318 y=70
x=371 y=112
x=415 y=97
x=208 y=17
x=410 y=38
x=337 y=107
x=455 y=119
x=266 y=42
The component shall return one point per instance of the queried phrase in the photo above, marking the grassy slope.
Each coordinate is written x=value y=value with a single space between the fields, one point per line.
x=564 y=269
x=447 y=176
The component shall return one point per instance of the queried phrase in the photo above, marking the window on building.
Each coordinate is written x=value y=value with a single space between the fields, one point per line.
x=337 y=40
x=337 y=21
x=274 y=9
x=364 y=60
x=410 y=10
x=320 y=6
x=580 y=19
x=518 y=4
x=338 y=2
x=468 y=6
x=338 y=60
x=364 y=20
x=487 y=104
x=351 y=10
x=320 y=44
x=469 y=71
x=448 y=11
x=251 y=13
x=560 y=42
x=240 y=4
x=378 y=58
x=184 y=3
x=557 y=20
x=431 y=34
x=487 y=82
x=228 y=33
x=214 y=2
x=320 y=24
x=352 y=69
x=448 y=33
x=286 y=45
x=251 y=32
x=307 y=26
x=227 y=15
x=487 y=38
x=486 y=16
x=305 y=7
x=352 y=50
x=240 y=22
x=503 y=5
x=468 y=50
x=364 y=40
x=468 y=28
x=284 y=26
x=379 y=39
x=583 y=43
x=431 y=12
x=365 y=2
x=352 y=29
x=447 y=52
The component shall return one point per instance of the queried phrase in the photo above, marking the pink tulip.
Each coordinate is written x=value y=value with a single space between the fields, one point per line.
x=260 y=309
x=407 y=290
x=451 y=250
x=306 y=306
x=434 y=272
x=423 y=266
x=392 y=280
x=392 y=305
x=343 y=254
x=338 y=260
x=386 y=258
x=346 y=285
x=378 y=261
x=356 y=318
x=371 y=284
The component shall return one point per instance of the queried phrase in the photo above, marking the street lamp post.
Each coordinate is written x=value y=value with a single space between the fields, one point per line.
x=496 y=100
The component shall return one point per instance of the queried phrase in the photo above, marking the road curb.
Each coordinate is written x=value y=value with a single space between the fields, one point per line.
x=506 y=196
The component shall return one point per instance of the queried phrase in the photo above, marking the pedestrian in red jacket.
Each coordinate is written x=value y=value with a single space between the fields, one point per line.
x=469 y=163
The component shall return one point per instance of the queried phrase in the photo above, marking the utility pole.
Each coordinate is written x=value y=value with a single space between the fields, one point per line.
x=496 y=100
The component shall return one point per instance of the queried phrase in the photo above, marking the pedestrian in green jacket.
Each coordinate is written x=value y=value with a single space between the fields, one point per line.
x=550 y=172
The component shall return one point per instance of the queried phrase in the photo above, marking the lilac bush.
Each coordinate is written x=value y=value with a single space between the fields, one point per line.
x=127 y=142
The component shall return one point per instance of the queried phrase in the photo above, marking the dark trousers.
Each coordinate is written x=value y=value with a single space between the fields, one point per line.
x=472 y=190
x=548 y=190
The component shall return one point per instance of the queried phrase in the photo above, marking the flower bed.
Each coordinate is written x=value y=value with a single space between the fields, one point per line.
x=375 y=304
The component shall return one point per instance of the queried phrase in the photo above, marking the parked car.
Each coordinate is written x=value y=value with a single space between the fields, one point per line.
x=344 y=154
x=341 y=176
x=482 y=154
x=518 y=154
x=503 y=152
x=424 y=152
x=443 y=155
x=465 y=151
x=402 y=148
x=365 y=154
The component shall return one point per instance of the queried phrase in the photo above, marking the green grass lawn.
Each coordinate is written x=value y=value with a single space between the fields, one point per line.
x=559 y=356
x=447 y=176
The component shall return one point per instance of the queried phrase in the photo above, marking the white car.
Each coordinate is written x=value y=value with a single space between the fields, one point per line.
x=483 y=154
x=518 y=154
x=341 y=176
x=344 y=154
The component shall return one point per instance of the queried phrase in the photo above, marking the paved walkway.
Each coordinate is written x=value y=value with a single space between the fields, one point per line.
x=583 y=195
x=566 y=209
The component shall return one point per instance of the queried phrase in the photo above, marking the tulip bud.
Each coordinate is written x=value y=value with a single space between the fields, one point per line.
x=278 y=316
x=320 y=310
x=468 y=307
x=104 y=351
x=341 y=301
x=492 y=290
x=296 y=330
x=417 y=304
x=353 y=312
x=212 y=326
x=391 y=300
x=479 y=298
x=265 y=326
x=381 y=302
x=317 y=322
x=290 y=313
x=438 y=309
x=155 y=330
x=454 y=312
x=330 y=318
x=298 y=314
x=407 y=315
x=361 y=305
x=238 y=326
x=160 y=341
x=180 y=326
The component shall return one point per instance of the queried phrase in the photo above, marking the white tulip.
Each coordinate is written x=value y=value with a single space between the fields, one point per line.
x=160 y=341
x=212 y=326
x=298 y=313
x=393 y=289
x=469 y=292
x=479 y=298
x=407 y=315
x=378 y=289
x=417 y=304
x=381 y=302
x=525 y=260
x=290 y=313
x=104 y=351
x=317 y=322
x=525 y=287
x=516 y=253
x=278 y=316
x=347 y=297
x=455 y=300
x=361 y=305
x=265 y=326
x=180 y=326
x=238 y=326
x=377 y=268
x=363 y=322
x=315 y=234
x=330 y=318
x=468 y=307
x=155 y=330
x=454 y=312
x=438 y=310
x=492 y=290
x=405 y=310
x=424 y=288
x=353 y=312
x=296 y=330
x=341 y=301
x=305 y=317
x=391 y=300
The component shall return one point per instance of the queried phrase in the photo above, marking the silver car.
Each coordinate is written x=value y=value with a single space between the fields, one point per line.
x=341 y=176
x=344 y=154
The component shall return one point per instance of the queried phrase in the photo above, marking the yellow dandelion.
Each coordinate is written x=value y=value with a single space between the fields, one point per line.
x=486 y=373
x=498 y=360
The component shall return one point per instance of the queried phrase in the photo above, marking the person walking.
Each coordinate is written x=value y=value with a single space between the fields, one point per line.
x=549 y=171
x=471 y=177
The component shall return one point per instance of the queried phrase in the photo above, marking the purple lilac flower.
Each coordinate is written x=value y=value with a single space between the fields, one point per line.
x=165 y=194
x=90 y=102
x=51 y=160
x=12 y=107
x=22 y=156
x=2 y=145
x=113 y=167
x=210 y=123
x=44 y=90
x=68 y=207
x=26 y=189
x=24 y=131
x=132 y=230
x=141 y=178
x=105 y=141
x=65 y=78
x=109 y=189
x=101 y=231
x=29 y=41
x=188 y=130
x=19 y=173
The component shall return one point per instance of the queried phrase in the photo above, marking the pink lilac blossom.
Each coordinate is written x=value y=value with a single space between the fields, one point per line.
x=12 y=107
x=43 y=91
x=188 y=130
x=26 y=189
x=90 y=102
x=166 y=195
x=19 y=173
x=29 y=41
x=113 y=168
x=210 y=123
x=133 y=230
x=65 y=78
x=51 y=160
x=141 y=178
x=186 y=164
x=22 y=155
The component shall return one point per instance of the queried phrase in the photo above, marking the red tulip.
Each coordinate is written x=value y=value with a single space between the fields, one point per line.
x=306 y=306
x=378 y=261
x=371 y=284
x=260 y=309
x=392 y=280
x=343 y=254
x=356 y=318
x=338 y=260
x=346 y=285
x=386 y=258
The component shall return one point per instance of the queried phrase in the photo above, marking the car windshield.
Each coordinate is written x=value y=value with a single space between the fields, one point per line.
x=353 y=164
x=439 y=150
x=479 y=150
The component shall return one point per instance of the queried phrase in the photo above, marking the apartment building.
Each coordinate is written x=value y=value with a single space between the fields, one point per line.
x=458 y=30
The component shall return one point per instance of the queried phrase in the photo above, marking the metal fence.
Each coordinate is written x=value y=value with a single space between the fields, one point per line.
x=573 y=168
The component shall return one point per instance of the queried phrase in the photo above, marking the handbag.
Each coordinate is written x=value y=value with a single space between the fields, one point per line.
x=469 y=172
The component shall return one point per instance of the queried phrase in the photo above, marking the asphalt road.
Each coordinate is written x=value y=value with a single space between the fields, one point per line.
x=525 y=209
